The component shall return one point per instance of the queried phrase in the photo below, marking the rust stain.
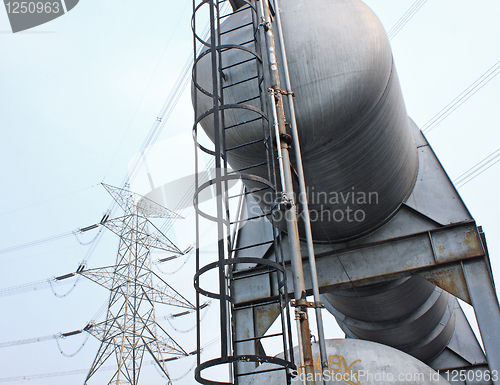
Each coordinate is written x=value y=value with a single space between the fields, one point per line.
x=472 y=242
x=451 y=281
x=264 y=317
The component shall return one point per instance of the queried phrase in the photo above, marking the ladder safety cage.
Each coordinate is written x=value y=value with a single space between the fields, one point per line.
x=234 y=89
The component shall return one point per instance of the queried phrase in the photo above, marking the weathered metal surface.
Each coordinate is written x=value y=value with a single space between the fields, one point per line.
x=451 y=246
x=264 y=317
x=360 y=362
x=245 y=330
x=434 y=194
x=486 y=307
x=384 y=302
x=463 y=348
x=423 y=332
x=251 y=323
x=434 y=254
x=450 y=278
x=252 y=232
x=358 y=151
x=380 y=261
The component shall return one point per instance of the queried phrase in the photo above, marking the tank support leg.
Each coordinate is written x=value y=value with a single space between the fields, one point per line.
x=485 y=303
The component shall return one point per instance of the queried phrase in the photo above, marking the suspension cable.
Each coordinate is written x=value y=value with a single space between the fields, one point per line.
x=478 y=169
x=407 y=16
x=470 y=91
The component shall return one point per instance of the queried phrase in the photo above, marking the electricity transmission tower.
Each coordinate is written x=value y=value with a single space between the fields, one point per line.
x=130 y=328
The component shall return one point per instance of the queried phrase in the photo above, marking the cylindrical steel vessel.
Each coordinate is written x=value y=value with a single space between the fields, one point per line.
x=360 y=159
x=410 y=314
x=359 y=155
x=357 y=362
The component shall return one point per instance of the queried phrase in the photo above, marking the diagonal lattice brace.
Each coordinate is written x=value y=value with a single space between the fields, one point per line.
x=158 y=240
x=112 y=278
x=130 y=328
x=127 y=200
x=163 y=291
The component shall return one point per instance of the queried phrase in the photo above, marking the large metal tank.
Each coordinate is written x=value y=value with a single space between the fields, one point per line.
x=360 y=159
x=357 y=362
x=410 y=314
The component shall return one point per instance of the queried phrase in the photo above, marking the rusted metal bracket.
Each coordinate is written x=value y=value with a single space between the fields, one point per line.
x=303 y=302
x=275 y=90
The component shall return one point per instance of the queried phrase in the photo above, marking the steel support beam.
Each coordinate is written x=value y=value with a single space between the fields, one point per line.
x=485 y=302
x=433 y=250
x=452 y=256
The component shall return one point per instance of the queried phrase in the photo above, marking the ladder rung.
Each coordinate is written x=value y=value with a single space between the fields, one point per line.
x=248 y=100
x=235 y=12
x=244 y=145
x=248 y=42
x=236 y=28
x=246 y=168
x=259 y=338
x=248 y=192
x=260 y=371
x=250 y=219
x=240 y=82
x=242 y=123
x=265 y=303
x=240 y=44
x=254 y=245
x=240 y=62
x=255 y=275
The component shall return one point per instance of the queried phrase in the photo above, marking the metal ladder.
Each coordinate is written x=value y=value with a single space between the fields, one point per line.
x=237 y=94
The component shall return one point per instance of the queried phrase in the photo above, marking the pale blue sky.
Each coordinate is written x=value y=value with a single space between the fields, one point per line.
x=79 y=94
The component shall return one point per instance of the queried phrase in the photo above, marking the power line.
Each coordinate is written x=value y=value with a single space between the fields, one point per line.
x=85 y=371
x=36 y=243
x=51 y=239
x=165 y=112
x=479 y=83
x=145 y=90
x=33 y=340
x=70 y=373
x=31 y=286
x=407 y=16
x=152 y=137
x=25 y=341
x=478 y=169
x=48 y=200
x=48 y=375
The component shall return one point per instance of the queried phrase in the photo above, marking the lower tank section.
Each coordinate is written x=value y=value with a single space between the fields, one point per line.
x=359 y=156
x=410 y=314
x=357 y=362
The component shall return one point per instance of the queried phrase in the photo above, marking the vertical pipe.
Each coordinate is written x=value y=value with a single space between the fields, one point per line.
x=303 y=192
x=486 y=308
x=218 y=183
x=196 y=185
x=287 y=191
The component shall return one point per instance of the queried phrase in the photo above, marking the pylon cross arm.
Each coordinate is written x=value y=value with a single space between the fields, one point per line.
x=105 y=276
x=127 y=200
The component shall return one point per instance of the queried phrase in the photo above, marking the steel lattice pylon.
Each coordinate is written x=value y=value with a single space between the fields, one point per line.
x=130 y=328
